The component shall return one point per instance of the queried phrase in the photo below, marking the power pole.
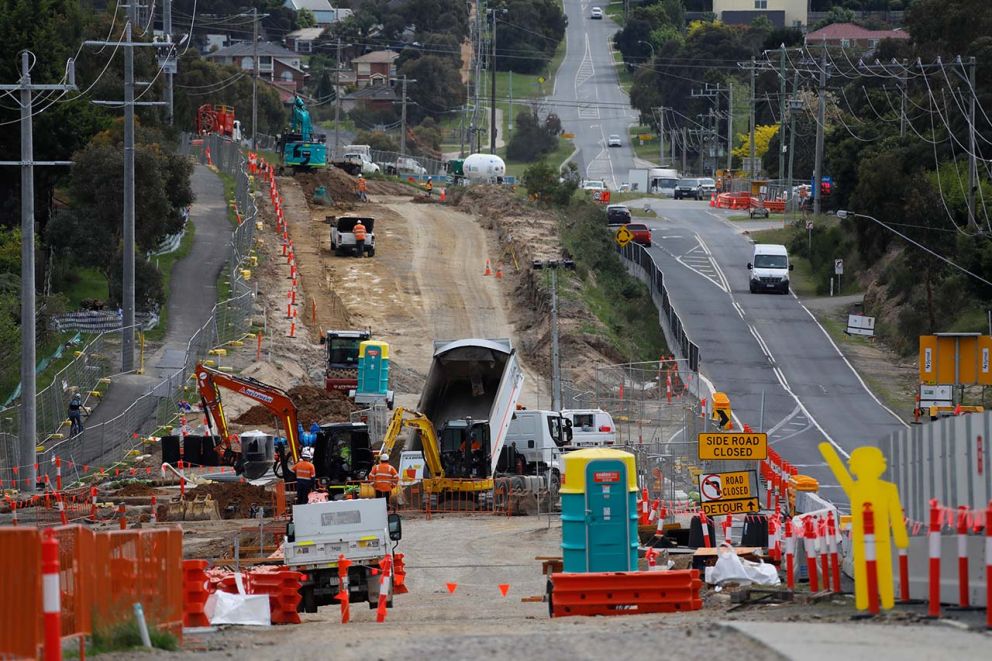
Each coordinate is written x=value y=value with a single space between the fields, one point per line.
x=553 y=265
x=781 y=111
x=972 y=160
x=170 y=55
x=821 y=115
x=403 y=121
x=337 y=100
x=492 y=90
x=27 y=439
x=127 y=294
x=254 y=78
x=683 y=173
x=751 y=168
x=902 y=101
x=793 y=108
x=661 y=135
x=730 y=126
x=509 y=120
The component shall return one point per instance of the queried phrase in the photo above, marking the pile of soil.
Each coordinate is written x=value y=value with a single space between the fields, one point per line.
x=313 y=404
x=389 y=187
x=136 y=489
x=339 y=184
x=239 y=496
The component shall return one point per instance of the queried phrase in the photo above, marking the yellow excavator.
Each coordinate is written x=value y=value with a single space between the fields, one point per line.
x=463 y=441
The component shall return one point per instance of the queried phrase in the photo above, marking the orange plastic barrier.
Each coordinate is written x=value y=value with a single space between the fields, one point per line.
x=195 y=593
x=625 y=593
x=101 y=577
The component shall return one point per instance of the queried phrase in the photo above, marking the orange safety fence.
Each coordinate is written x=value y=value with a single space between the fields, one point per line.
x=101 y=576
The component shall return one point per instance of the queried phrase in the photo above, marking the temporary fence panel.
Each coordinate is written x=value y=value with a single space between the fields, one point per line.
x=20 y=592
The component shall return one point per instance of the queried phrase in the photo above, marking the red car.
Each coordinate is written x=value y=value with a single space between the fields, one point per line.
x=641 y=232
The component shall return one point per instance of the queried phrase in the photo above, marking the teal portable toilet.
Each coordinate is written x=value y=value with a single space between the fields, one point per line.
x=373 y=372
x=599 y=511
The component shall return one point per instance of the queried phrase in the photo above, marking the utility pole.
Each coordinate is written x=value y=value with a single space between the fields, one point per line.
x=492 y=90
x=902 y=100
x=254 y=77
x=794 y=105
x=972 y=159
x=553 y=265
x=683 y=172
x=781 y=112
x=730 y=126
x=751 y=168
x=27 y=438
x=170 y=55
x=661 y=135
x=821 y=115
x=337 y=100
x=509 y=120
x=403 y=120
x=127 y=294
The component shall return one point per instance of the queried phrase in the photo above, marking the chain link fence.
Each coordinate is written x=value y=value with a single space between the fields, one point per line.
x=162 y=402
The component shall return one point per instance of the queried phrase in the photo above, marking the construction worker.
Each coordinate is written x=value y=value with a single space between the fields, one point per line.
x=75 y=414
x=305 y=474
x=384 y=478
x=359 y=231
x=429 y=187
x=363 y=189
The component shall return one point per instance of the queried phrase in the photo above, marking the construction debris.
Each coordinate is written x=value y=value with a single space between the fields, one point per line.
x=313 y=404
x=235 y=500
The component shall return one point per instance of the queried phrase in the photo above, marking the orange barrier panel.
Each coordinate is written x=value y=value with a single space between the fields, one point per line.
x=77 y=549
x=625 y=593
x=20 y=592
x=195 y=593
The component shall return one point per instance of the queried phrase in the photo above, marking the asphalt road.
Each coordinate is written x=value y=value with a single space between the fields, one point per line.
x=780 y=369
x=588 y=98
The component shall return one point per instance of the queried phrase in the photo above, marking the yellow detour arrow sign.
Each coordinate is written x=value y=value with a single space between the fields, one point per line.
x=728 y=493
x=733 y=445
x=623 y=236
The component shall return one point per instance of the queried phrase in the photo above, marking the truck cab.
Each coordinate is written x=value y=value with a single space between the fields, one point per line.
x=342 y=358
x=343 y=234
x=533 y=444
x=342 y=452
x=464 y=447
x=591 y=428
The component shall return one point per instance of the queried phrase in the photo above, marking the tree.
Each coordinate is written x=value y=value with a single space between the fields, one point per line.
x=762 y=137
x=531 y=140
x=438 y=89
x=542 y=182
x=527 y=34
x=305 y=19
x=377 y=140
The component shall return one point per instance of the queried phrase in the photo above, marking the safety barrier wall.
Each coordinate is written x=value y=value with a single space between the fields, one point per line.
x=645 y=269
x=947 y=459
x=101 y=577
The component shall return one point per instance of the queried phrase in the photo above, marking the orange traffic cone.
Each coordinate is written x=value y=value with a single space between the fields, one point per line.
x=499 y=270
x=444 y=195
x=712 y=199
x=489 y=270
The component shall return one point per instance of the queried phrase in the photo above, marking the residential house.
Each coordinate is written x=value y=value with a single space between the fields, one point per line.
x=375 y=68
x=370 y=97
x=782 y=13
x=279 y=66
x=321 y=9
x=302 y=40
x=849 y=35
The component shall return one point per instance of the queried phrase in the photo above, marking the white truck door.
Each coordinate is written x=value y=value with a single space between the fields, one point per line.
x=501 y=412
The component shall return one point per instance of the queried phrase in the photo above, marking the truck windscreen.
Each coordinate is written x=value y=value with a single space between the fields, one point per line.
x=342 y=352
x=771 y=262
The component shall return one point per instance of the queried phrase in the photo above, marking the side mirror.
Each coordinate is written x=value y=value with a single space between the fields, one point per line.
x=323 y=339
x=395 y=527
x=290 y=532
x=568 y=430
x=749 y=266
x=792 y=267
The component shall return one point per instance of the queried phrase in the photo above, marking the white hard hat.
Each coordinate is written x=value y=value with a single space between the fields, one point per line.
x=383 y=457
x=307 y=453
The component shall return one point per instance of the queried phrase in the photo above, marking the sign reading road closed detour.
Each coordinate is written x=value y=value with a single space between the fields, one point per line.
x=732 y=445
x=728 y=493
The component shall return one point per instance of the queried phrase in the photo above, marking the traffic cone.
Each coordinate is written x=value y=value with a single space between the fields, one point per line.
x=444 y=195
x=712 y=199
x=489 y=270
x=499 y=267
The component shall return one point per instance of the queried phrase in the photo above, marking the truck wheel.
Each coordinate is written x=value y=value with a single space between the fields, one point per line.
x=371 y=252
x=308 y=601
x=555 y=486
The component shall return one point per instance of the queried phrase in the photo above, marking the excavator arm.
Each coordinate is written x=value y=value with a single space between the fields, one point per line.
x=404 y=418
x=209 y=381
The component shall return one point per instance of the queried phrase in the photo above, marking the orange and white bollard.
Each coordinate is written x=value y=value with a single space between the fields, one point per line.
x=93 y=493
x=821 y=530
x=728 y=522
x=659 y=530
x=809 y=543
x=832 y=549
x=58 y=474
x=51 y=596
x=644 y=519
x=871 y=561
x=385 y=587
x=904 y=576
x=292 y=328
x=790 y=555
x=705 y=524
x=344 y=595
x=122 y=515
x=154 y=506
x=650 y=556
x=988 y=567
x=934 y=548
x=963 y=598
x=62 y=515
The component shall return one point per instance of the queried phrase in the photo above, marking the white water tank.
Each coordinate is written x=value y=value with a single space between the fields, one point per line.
x=484 y=167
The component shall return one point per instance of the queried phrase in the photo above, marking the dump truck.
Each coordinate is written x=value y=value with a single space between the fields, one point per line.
x=361 y=531
x=342 y=358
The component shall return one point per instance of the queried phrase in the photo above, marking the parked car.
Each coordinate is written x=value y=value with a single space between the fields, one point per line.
x=594 y=185
x=707 y=186
x=405 y=165
x=596 y=13
x=617 y=214
x=613 y=140
x=687 y=188
x=641 y=232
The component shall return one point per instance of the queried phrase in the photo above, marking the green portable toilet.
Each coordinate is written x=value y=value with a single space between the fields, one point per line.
x=599 y=511
x=373 y=370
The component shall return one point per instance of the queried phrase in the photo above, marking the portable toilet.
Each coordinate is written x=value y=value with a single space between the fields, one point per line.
x=373 y=372
x=599 y=511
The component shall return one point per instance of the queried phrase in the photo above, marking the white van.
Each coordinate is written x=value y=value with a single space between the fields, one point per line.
x=769 y=268
x=537 y=437
x=591 y=428
x=663 y=181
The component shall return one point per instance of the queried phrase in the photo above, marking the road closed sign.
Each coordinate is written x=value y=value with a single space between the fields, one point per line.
x=733 y=445
x=728 y=493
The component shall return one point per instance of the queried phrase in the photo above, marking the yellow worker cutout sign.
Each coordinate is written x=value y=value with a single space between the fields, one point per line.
x=623 y=236
x=868 y=464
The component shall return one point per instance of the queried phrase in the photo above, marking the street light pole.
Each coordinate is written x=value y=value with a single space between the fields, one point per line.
x=553 y=265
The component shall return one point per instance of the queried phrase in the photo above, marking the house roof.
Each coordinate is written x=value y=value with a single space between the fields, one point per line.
x=837 y=31
x=244 y=48
x=377 y=57
x=373 y=93
x=312 y=5
x=306 y=34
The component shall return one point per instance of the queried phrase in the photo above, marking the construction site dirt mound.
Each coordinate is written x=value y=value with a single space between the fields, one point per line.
x=234 y=499
x=339 y=185
x=136 y=489
x=389 y=187
x=313 y=404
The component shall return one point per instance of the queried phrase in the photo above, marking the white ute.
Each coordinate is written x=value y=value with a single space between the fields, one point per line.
x=591 y=428
x=769 y=268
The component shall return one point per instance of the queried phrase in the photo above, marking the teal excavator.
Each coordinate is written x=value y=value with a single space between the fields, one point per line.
x=301 y=149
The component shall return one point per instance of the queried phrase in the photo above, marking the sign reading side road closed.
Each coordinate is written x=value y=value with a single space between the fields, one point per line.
x=728 y=493
x=733 y=445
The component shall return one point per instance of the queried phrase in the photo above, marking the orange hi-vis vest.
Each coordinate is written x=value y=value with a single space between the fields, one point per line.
x=362 y=186
x=359 y=232
x=383 y=477
x=304 y=470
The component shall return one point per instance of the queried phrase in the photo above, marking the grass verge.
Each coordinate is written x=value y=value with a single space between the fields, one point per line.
x=125 y=636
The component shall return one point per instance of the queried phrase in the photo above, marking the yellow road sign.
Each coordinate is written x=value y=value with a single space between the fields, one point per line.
x=733 y=445
x=645 y=137
x=568 y=136
x=735 y=506
x=623 y=236
x=540 y=79
x=726 y=486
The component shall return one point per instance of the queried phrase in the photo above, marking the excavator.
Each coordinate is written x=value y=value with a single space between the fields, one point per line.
x=342 y=451
x=301 y=149
x=457 y=461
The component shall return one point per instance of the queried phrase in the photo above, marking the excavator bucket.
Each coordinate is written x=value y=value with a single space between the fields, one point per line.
x=201 y=508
